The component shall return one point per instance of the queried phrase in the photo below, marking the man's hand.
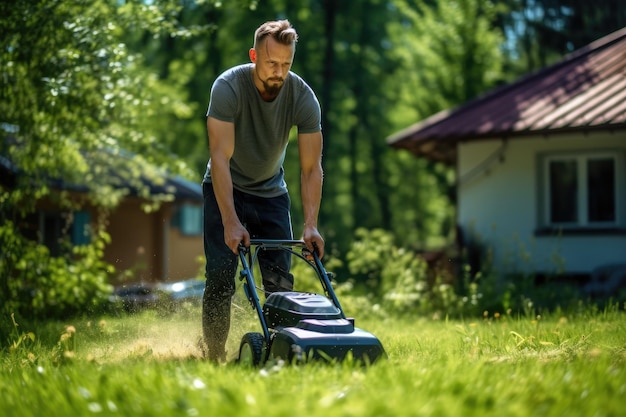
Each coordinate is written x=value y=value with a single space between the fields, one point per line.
x=234 y=235
x=313 y=240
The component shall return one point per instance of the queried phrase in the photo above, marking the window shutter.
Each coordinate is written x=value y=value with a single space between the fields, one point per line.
x=81 y=228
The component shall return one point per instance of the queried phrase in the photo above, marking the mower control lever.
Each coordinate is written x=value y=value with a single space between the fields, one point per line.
x=242 y=248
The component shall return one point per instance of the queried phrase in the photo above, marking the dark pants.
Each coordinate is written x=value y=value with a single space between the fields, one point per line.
x=264 y=218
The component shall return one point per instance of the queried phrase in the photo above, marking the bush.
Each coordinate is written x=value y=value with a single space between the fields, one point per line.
x=37 y=285
x=396 y=280
x=370 y=253
x=395 y=277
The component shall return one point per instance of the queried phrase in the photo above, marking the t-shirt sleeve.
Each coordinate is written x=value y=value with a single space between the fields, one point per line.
x=309 y=114
x=223 y=102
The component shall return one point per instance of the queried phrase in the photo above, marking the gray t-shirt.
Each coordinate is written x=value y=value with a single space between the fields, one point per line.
x=261 y=128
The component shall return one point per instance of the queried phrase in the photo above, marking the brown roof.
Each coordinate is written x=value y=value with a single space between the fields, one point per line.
x=585 y=91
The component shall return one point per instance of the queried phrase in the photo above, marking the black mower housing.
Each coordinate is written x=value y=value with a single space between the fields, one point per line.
x=284 y=309
x=299 y=326
x=309 y=326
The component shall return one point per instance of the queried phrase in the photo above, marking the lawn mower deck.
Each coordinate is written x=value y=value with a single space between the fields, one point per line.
x=298 y=326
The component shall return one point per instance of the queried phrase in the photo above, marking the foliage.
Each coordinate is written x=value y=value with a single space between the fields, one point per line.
x=38 y=285
x=21 y=343
x=542 y=31
x=396 y=277
x=452 y=49
x=78 y=113
x=370 y=253
x=386 y=280
x=72 y=92
x=399 y=281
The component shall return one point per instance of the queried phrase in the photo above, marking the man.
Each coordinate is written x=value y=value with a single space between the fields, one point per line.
x=251 y=111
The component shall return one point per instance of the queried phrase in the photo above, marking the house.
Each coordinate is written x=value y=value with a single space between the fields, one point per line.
x=541 y=167
x=164 y=244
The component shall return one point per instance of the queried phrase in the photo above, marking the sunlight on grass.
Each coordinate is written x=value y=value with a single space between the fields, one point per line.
x=150 y=365
x=164 y=339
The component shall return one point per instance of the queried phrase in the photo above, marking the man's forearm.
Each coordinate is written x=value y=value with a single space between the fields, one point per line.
x=223 y=188
x=311 y=193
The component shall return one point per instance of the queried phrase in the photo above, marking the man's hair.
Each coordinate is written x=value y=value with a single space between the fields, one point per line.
x=280 y=30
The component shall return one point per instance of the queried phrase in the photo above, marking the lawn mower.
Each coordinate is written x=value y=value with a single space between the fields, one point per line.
x=300 y=326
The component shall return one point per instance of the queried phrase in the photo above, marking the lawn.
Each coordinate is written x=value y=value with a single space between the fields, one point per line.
x=149 y=365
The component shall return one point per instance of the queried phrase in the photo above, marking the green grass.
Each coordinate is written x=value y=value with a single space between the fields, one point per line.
x=150 y=365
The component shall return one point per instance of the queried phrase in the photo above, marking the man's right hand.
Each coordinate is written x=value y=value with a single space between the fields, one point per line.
x=234 y=235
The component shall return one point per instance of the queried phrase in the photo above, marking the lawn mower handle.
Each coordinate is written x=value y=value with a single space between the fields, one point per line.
x=284 y=244
x=249 y=287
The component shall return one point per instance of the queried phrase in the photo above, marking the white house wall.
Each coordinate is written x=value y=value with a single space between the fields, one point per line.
x=498 y=189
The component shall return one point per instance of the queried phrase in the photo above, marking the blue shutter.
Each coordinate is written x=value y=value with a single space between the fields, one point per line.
x=81 y=228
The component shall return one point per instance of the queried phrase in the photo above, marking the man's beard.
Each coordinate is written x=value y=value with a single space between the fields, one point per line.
x=274 y=88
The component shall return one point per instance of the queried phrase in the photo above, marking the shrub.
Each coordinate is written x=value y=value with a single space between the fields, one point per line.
x=396 y=281
x=396 y=277
x=38 y=285
x=405 y=285
x=369 y=254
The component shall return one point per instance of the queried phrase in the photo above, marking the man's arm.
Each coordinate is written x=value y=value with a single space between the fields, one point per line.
x=222 y=146
x=311 y=178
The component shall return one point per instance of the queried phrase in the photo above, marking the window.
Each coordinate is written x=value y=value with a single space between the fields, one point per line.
x=188 y=219
x=51 y=226
x=56 y=227
x=581 y=190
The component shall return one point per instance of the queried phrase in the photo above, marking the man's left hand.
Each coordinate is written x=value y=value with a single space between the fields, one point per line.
x=314 y=241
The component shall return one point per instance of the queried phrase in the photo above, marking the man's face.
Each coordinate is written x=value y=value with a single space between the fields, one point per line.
x=272 y=64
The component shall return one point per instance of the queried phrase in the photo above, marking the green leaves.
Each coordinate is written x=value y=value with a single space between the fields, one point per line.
x=74 y=89
x=43 y=286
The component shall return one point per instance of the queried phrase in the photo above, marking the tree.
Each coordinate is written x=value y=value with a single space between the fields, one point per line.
x=72 y=90
x=540 y=32
x=447 y=52
x=77 y=106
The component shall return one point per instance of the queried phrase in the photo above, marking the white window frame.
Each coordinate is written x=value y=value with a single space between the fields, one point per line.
x=581 y=159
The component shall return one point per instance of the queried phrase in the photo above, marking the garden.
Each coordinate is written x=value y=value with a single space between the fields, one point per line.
x=448 y=354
